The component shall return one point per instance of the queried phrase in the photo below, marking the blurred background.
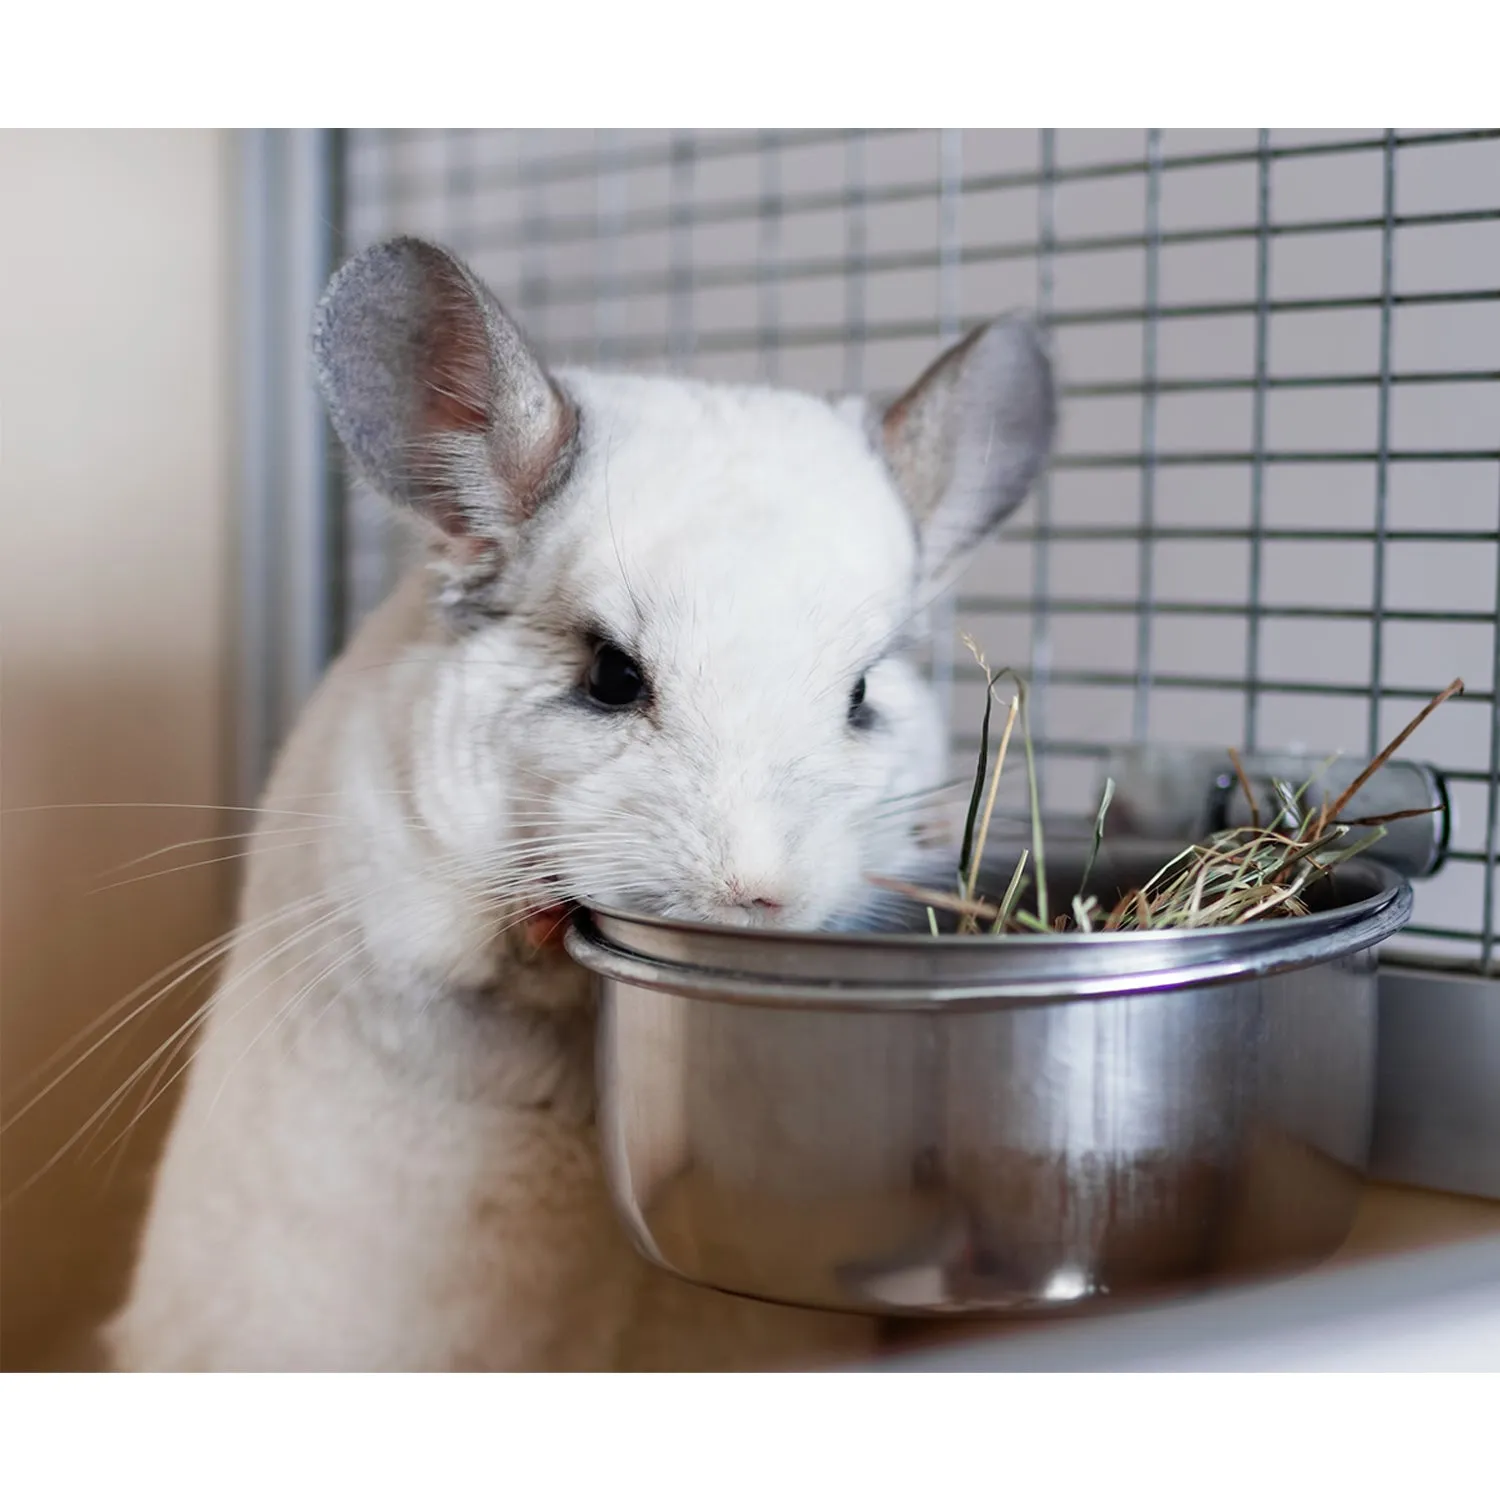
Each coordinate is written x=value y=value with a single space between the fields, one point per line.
x=1274 y=520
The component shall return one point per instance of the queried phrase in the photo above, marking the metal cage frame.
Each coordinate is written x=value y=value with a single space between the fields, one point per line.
x=555 y=224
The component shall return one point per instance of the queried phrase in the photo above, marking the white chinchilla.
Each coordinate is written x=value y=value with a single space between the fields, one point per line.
x=657 y=659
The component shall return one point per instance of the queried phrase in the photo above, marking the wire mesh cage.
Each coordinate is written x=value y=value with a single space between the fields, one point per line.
x=1274 y=517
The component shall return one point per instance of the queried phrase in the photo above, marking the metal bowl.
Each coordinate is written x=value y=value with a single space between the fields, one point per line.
x=885 y=1123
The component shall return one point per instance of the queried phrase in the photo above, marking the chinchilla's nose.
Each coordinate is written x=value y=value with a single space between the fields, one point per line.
x=753 y=872
x=740 y=895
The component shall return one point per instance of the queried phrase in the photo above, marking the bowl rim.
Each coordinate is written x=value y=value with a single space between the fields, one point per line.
x=1388 y=883
x=911 y=969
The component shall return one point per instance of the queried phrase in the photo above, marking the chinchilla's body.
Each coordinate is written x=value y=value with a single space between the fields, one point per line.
x=658 y=659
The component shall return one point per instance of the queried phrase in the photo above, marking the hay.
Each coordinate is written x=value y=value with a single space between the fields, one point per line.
x=1247 y=874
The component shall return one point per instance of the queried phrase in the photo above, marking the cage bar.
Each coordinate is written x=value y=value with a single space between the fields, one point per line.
x=1279 y=363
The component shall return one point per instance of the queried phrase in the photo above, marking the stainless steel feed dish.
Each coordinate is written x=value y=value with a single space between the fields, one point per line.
x=888 y=1123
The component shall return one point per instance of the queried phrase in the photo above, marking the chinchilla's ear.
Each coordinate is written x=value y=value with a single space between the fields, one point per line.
x=436 y=395
x=967 y=441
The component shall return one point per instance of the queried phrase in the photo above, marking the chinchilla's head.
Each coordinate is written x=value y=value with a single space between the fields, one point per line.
x=675 y=616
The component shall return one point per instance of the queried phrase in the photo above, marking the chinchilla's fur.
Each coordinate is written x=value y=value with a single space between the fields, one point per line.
x=385 y=1157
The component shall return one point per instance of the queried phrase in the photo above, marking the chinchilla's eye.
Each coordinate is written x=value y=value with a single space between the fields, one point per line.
x=860 y=713
x=614 y=679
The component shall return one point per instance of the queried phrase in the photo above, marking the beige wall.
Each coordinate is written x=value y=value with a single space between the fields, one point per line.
x=114 y=527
